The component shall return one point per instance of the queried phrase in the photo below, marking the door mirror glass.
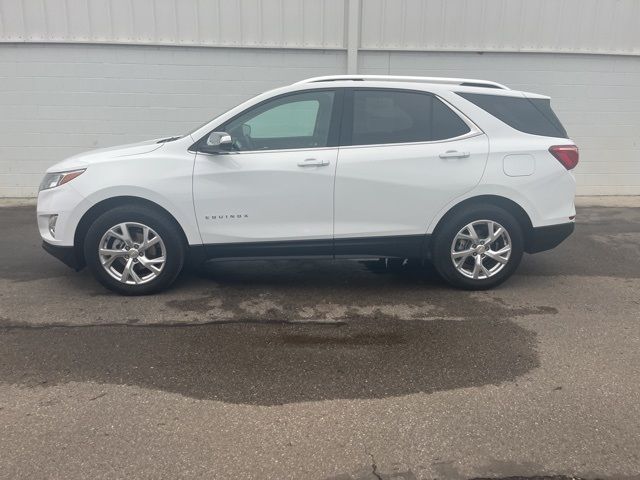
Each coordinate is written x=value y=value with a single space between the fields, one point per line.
x=218 y=142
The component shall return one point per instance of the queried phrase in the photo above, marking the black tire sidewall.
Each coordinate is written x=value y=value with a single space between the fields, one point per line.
x=165 y=227
x=444 y=237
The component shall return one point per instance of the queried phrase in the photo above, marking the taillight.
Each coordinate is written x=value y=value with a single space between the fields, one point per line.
x=567 y=155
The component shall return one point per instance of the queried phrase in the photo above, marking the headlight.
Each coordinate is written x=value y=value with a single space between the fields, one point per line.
x=52 y=180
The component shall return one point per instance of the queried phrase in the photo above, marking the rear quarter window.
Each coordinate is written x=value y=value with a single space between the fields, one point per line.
x=528 y=115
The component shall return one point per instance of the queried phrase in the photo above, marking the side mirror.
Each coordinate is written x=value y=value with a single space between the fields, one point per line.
x=218 y=142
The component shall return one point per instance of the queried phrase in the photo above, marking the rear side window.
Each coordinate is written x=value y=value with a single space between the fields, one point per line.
x=389 y=116
x=529 y=115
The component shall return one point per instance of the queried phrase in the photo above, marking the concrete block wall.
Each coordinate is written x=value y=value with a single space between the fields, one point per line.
x=57 y=100
x=595 y=96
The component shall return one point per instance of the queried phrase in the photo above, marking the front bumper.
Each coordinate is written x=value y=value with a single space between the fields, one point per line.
x=65 y=202
x=546 y=238
x=66 y=255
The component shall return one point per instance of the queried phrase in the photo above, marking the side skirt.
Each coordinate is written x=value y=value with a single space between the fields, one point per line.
x=402 y=246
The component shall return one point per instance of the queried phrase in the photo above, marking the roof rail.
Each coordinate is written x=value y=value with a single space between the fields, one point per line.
x=465 y=82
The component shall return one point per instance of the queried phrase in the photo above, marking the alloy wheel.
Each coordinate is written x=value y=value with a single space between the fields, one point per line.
x=132 y=253
x=481 y=249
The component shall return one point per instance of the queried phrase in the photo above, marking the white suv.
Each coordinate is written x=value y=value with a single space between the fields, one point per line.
x=465 y=173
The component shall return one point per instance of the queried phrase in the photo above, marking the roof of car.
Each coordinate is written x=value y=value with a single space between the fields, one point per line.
x=464 y=82
x=470 y=85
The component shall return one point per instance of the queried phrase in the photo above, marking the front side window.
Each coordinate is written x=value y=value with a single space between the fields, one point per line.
x=391 y=116
x=300 y=120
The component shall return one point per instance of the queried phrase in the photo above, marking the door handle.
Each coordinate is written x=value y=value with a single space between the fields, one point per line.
x=454 y=154
x=313 y=162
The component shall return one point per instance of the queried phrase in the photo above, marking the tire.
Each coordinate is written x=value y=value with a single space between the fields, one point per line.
x=491 y=272
x=154 y=264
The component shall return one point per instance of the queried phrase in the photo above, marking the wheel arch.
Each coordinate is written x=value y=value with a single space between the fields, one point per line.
x=519 y=213
x=105 y=205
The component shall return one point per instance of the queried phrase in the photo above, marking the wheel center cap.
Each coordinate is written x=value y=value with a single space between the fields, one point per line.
x=133 y=253
x=481 y=249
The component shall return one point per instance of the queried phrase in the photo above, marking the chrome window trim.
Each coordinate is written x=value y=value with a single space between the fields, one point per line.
x=472 y=126
x=430 y=142
x=244 y=152
x=426 y=142
x=474 y=131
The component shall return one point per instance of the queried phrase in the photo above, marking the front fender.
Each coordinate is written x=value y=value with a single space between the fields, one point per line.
x=181 y=208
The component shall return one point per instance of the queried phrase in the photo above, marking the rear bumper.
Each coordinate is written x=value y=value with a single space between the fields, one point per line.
x=66 y=255
x=546 y=238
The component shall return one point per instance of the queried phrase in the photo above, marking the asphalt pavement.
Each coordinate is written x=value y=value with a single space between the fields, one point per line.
x=323 y=370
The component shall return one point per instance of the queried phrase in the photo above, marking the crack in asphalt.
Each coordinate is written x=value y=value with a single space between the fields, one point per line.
x=374 y=466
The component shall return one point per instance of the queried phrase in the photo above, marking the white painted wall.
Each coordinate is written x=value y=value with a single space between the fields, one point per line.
x=60 y=99
x=81 y=74
x=213 y=23
x=555 y=26
x=568 y=26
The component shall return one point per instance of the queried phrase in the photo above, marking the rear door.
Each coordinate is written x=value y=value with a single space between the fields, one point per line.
x=405 y=155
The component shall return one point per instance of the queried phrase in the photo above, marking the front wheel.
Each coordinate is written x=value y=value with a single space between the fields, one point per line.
x=478 y=248
x=134 y=250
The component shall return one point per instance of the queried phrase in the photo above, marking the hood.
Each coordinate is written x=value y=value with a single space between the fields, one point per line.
x=86 y=158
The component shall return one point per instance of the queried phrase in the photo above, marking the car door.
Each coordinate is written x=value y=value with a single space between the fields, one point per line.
x=276 y=184
x=405 y=155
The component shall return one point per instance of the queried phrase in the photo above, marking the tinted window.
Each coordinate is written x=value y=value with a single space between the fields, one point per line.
x=529 y=115
x=294 y=121
x=387 y=116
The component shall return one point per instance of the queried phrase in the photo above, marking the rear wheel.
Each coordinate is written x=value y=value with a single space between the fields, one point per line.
x=478 y=248
x=134 y=250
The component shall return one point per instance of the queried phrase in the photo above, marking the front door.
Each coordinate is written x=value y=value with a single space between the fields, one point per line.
x=274 y=191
